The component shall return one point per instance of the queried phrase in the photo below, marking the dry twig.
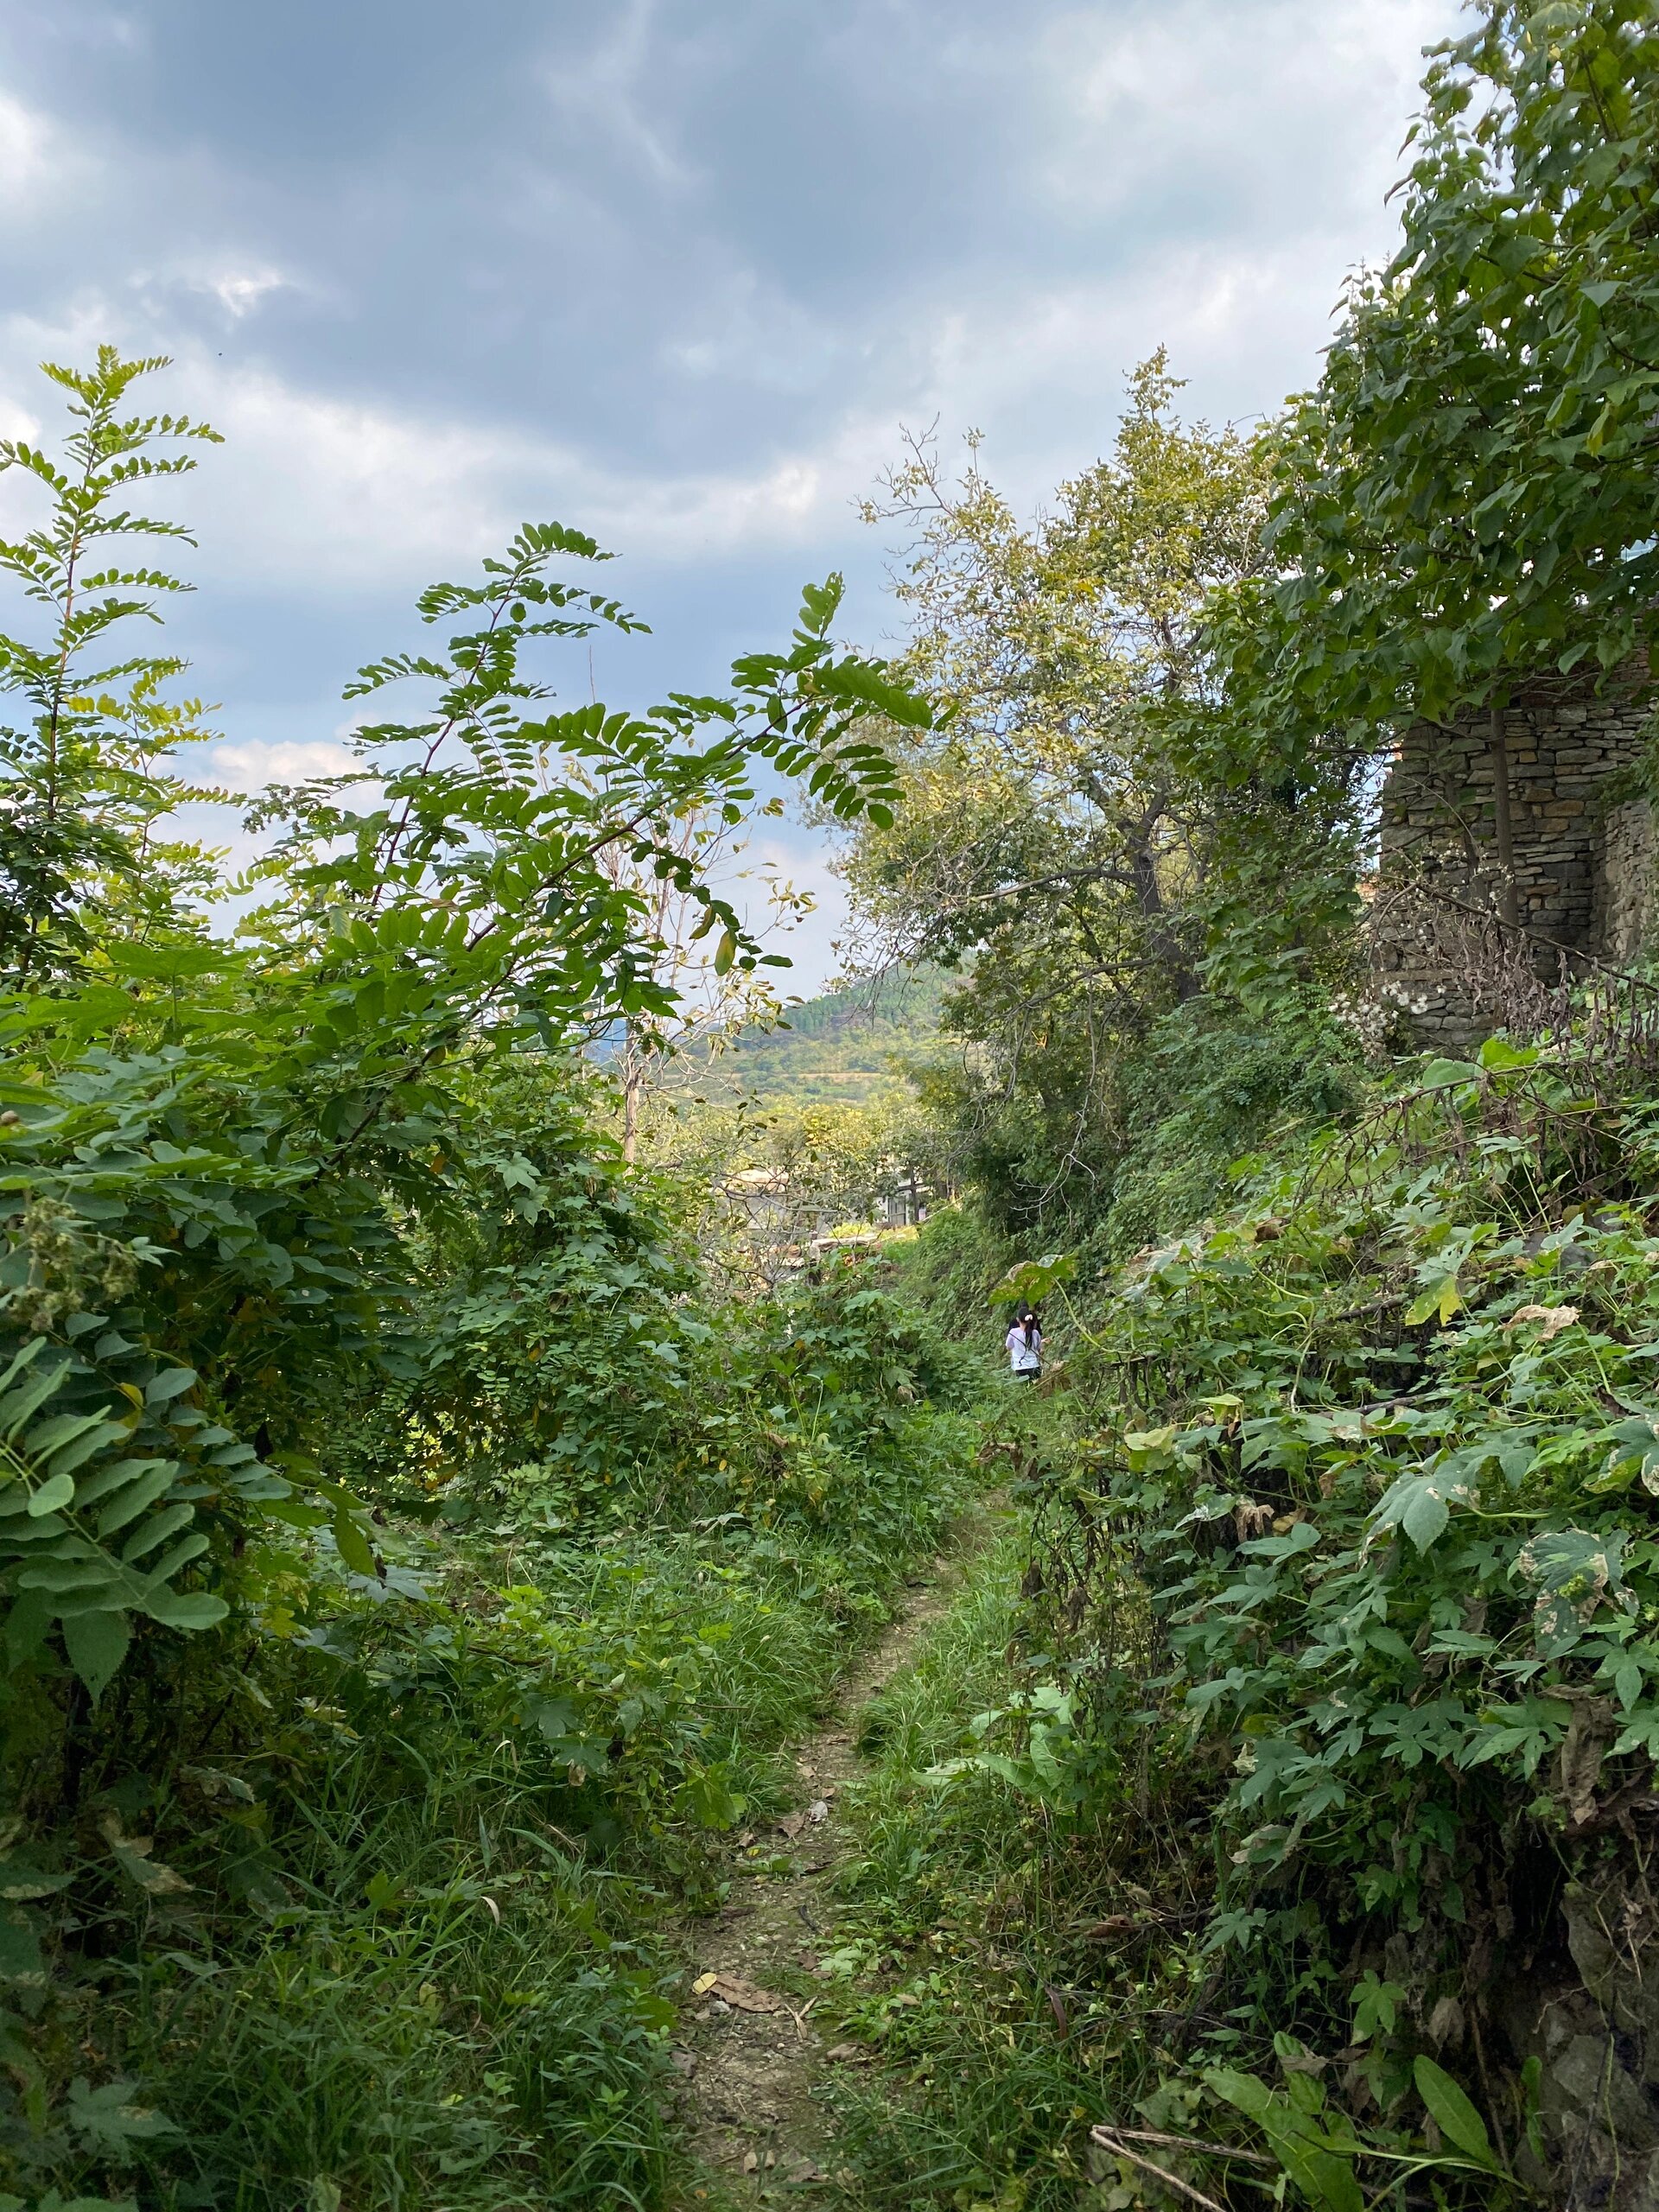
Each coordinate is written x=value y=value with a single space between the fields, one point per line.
x=1108 y=2141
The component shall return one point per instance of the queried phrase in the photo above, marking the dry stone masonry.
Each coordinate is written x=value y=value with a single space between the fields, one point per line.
x=1583 y=847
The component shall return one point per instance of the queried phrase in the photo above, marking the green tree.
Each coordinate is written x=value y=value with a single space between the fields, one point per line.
x=219 y=1160
x=85 y=782
x=1466 y=503
x=1050 y=804
x=1068 y=829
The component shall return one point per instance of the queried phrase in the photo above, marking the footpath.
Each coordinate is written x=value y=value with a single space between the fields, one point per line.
x=750 y=2049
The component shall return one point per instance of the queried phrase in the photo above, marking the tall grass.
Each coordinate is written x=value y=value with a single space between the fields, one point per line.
x=959 y=1927
x=421 y=1964
x=443 y=2007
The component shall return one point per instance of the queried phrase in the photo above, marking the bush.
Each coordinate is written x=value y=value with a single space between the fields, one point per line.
x=1357 y=1568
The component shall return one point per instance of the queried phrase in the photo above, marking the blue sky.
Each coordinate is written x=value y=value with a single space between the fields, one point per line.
x=672 y=271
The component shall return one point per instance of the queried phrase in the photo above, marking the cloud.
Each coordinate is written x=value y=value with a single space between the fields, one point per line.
x=1222 y=114
x=311 y=489
x=606 y=90
x=34 y=156
x=1229 y=162
x=674 y=275
x=239 y=291
x=748 y=331
x=251 y=765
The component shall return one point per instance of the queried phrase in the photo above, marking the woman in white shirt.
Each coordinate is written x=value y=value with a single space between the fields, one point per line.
x=1025 y=1348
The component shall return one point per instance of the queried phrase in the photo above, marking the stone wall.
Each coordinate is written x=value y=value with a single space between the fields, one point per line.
x=1583 y=852
x=1624 y=915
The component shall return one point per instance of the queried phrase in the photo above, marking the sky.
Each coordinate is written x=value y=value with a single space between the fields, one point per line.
x=677 y=272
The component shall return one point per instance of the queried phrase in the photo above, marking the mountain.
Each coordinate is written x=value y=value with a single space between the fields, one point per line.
x=840 y=1045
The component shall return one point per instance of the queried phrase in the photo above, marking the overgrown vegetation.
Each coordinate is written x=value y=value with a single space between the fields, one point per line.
x=1300 y=1843
x=1073 y=834
x=445 y=1463
x=1317 y=1790
x=408 y=1564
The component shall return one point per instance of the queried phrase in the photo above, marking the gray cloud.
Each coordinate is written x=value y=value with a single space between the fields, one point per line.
x=675 y=270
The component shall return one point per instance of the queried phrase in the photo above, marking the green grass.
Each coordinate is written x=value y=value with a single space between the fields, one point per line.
x=445 y=2008
x=916 y=1717
x=425 y=1966
x=961 y=1907
x=385 y=1907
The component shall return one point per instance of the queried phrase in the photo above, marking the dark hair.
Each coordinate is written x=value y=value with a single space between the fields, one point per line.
x=1031 y=1325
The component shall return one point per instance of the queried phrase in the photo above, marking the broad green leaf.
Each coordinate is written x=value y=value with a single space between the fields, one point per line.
x=110 y=2117
x=138 y=1496
x=158 y=1529
x=19 y=1404
x=64 y=1442
x=1419 y=1504
x=191 y=1609
x=113 y=1474
x=352 y=1544
x=711 y=1801
x=1030 y=1280
x=97 y=1644
x=21 y=1884
x=1440 y=1298
x=1374 y=2003
x=1442 y=1075
x=1498 y=1056
x=1453 y=2114
x=20 y=1946
x=1247 y=2091
x=1425 y=1516
x=52 y=1497
x=1576 y=1572
x=171 y=1382
x=29 y=1617
x=179 y=1554
x=171 y=960
x=853 y=679
x=1325 y=2177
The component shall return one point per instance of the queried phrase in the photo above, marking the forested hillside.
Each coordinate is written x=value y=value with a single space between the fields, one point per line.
x=849 y=1043
x=547 y=1664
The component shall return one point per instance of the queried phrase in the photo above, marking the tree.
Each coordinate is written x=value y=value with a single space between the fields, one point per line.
x=1060 y=831
x=1063 y=651
x=85 y=785
x=1465 y=504
x=220 y=1161
x=712 y=1001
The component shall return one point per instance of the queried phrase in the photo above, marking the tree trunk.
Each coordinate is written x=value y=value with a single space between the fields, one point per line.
x=1143 y=860
x=633 y=1081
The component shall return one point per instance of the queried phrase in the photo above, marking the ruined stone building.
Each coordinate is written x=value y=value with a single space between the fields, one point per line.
x=1580 y=847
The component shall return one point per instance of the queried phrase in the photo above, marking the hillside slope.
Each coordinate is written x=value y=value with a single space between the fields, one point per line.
x=841 y=1046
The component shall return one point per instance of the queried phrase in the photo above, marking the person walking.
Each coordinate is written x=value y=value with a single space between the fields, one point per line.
x=1025 y=1347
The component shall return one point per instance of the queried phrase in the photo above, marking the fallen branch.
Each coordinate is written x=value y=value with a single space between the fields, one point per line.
x=1184 y=2143
x=1107 y=2141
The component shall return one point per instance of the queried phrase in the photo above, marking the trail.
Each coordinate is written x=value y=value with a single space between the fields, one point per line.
x=750 y=2050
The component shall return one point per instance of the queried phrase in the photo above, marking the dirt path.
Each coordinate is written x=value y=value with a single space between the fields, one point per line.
x=749 y=2049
